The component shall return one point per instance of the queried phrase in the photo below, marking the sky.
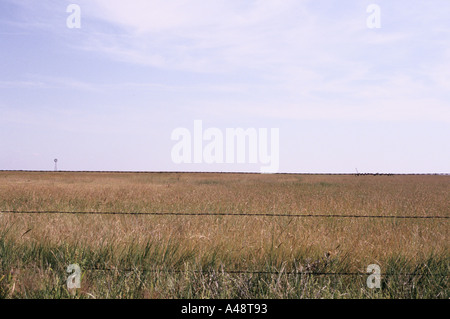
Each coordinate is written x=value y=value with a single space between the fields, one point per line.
x=109 y=94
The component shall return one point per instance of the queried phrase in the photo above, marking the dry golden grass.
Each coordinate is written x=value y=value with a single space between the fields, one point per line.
x=232 y=242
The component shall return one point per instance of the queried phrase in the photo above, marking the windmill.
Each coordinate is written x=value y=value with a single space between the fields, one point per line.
x=56 y=164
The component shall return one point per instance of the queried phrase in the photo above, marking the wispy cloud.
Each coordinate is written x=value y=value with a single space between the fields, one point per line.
x=288 y=46
x=48 y=82
x=294 y=51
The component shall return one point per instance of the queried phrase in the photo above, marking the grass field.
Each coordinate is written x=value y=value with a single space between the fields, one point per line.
x=196 y=256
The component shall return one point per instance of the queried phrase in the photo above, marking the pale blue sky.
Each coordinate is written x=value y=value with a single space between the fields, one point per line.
x=108 y=96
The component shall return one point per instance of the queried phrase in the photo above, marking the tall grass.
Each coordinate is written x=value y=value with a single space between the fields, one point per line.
x=192 y=256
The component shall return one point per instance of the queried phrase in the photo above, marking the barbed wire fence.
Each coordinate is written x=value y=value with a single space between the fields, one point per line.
x=309 y=215
x=239 y=272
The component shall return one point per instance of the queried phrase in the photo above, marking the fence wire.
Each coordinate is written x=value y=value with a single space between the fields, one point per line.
x=239 y=272
x=235 y=272
x=309 y=215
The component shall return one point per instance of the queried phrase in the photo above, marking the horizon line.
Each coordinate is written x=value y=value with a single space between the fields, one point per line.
x=212 y=172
